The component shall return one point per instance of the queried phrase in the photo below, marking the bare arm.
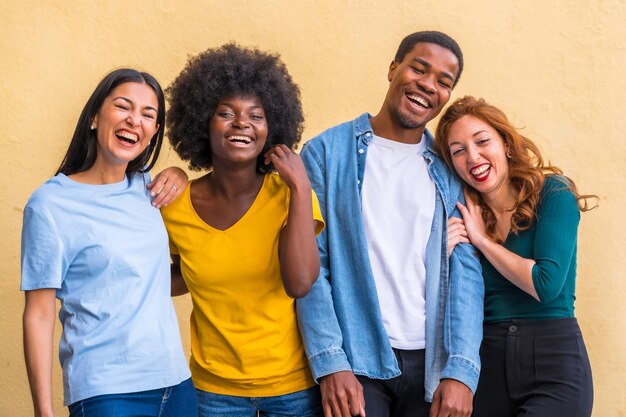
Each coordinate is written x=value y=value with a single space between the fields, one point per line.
x=178 y=283
x=38 y=322
x=299 y=256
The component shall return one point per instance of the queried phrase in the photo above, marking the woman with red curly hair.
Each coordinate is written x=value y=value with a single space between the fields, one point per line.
x=523 y=216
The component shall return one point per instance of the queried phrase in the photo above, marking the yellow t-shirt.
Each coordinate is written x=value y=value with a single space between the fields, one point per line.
x=245 y=339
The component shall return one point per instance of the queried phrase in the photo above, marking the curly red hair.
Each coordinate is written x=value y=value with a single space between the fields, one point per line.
x=527 y=170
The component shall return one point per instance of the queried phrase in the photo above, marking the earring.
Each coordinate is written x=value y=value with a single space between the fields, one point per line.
x=508 y=154
x=93 y=126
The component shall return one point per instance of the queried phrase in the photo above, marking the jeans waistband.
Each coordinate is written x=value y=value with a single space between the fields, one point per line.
x=567 y=325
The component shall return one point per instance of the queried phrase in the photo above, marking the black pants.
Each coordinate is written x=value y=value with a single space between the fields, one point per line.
x=534 y=368
x=402 y=396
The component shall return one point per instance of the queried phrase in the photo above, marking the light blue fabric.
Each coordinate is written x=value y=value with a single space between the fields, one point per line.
x=105 y=249
x=340 y=318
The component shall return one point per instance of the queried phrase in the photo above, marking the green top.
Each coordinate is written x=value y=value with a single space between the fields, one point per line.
x=551 y=243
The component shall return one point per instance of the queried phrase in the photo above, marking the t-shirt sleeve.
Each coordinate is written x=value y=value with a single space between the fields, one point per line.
x=317 y=214
x=44 y=259
x=555 y=239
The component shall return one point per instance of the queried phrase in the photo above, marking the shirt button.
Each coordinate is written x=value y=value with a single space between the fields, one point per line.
x=512 y=328
x=358 y=181
x=361 y=150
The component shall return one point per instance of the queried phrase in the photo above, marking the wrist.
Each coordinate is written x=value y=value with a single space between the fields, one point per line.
x=481 y=242
x=303 y=189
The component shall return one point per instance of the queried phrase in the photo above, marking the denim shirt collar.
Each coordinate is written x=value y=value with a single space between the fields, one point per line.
x=364 y=133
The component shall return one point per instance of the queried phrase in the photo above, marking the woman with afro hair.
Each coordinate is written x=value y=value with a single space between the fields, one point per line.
x=242 y=236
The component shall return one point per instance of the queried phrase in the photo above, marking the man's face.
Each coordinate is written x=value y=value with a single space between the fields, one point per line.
x=421 y=84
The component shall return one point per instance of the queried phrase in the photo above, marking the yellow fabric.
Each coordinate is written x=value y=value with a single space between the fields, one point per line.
x=245 y=339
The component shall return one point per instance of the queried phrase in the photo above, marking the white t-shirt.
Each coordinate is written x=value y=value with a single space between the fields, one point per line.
x=398 y=204
x=105 y=249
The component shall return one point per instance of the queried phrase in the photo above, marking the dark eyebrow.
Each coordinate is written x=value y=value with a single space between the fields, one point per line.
x=428 y=65
x=131 y=103
x=230 y=105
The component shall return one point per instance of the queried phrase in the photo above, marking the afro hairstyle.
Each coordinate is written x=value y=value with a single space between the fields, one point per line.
x=221 y=73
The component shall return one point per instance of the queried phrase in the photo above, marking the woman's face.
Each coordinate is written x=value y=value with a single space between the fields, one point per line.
x=478 y=154
x=238 y=129
x=125 y=123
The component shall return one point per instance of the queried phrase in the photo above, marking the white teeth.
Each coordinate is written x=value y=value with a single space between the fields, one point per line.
x=480 y=170
x=420 y=100
x=127 y=135
x=243 y=139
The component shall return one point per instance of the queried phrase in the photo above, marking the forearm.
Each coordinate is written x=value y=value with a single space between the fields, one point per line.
x=516 y=269
x=38 y=327
x=299 y=257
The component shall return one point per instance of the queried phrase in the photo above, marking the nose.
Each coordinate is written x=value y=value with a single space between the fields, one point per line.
x=133 y=119
x=428 y=84
x=240 y=122
x=472 y=154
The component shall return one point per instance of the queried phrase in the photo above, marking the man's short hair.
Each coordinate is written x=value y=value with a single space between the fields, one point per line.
x=431 y=36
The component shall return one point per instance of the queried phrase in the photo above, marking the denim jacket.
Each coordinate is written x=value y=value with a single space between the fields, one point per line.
x=340 y=318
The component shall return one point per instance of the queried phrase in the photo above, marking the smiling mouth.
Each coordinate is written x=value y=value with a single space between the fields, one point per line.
x=481 y=172
x=127 y=137
x=420 y=101
x=239 y=139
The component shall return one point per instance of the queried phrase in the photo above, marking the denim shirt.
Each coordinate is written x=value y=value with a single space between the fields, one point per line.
x=340 y=318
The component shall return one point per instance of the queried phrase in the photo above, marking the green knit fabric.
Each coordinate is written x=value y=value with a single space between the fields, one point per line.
x=551 y=243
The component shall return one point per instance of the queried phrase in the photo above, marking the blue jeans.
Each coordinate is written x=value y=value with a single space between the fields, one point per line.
x=176 y=401
x=305 y=403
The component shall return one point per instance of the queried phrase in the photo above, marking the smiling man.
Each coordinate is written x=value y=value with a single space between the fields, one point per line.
x=392 y=327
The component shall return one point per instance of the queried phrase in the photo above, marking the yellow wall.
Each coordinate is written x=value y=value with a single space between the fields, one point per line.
x=556 y=67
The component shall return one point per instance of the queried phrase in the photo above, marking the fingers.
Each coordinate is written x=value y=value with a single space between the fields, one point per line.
x=166 y=193
x=463 y=210
x=342 y=395
x=328 y=411
x=277 y=152
x=451 y=399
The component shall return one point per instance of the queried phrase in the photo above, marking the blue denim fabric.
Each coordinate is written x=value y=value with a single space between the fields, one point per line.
x=176 y=401
x=340 y=318
x=305 y=403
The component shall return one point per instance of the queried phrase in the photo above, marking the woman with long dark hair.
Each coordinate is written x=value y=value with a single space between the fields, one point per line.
x=522 y=215
x=92 y=238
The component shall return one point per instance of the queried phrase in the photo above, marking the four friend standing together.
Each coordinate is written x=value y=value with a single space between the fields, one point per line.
x=384 y=310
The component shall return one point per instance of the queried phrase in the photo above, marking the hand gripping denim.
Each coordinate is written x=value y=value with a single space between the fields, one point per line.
x=340 y=318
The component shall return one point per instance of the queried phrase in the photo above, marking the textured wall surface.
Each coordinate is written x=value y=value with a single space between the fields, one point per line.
x=557 y=69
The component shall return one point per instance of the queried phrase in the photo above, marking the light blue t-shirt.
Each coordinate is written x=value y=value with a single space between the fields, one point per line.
x=105 y=249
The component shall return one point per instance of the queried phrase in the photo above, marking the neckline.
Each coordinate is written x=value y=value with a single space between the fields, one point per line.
x=67 y=181
x=257 y=200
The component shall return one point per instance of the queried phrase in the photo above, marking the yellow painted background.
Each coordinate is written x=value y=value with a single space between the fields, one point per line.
x=557 y=68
